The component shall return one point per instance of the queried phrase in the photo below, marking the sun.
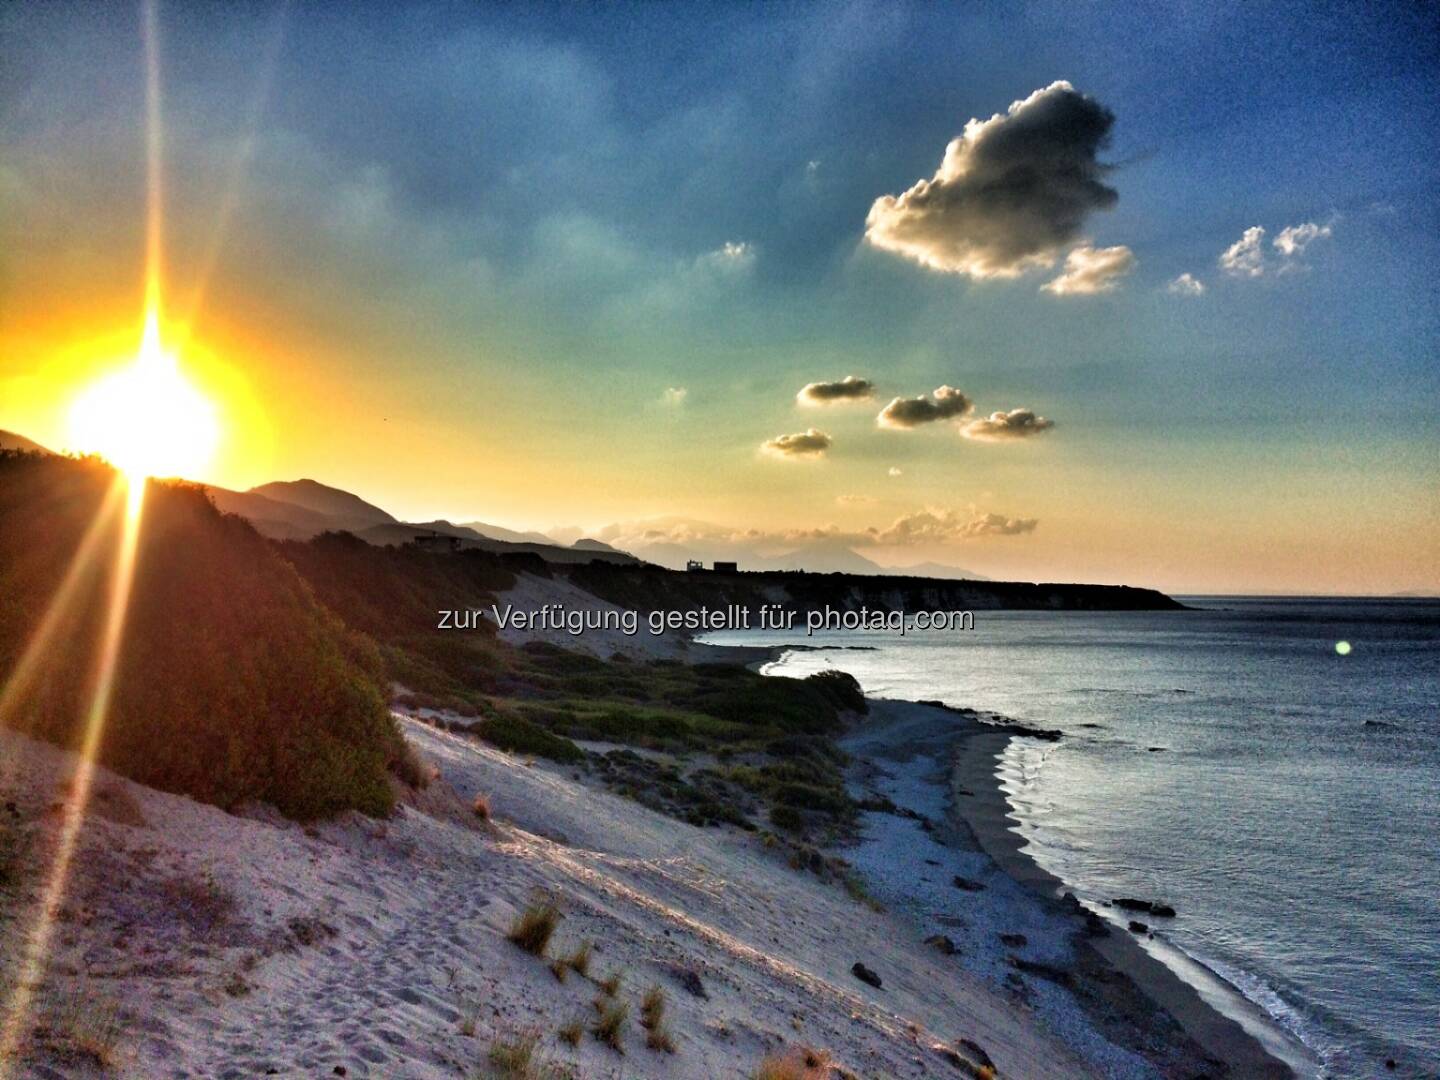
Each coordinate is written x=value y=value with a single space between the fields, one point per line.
x=147 y=419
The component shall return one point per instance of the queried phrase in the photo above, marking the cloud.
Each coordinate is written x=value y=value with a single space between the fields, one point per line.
x=1186 y=284
x=1090 y=270
x=1010 y=194
x=1245 y=257
x=895 y=470
x=928 y=526
x=999 y=525
x=847 y=389
x=674 y=396
x=1001 y=426
x=932 y=526
x=1293 y=240
x=946 y=403
x=804 y=444
x=856 y=500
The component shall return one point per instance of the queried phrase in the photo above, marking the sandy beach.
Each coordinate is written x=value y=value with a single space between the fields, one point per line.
x=952 y=860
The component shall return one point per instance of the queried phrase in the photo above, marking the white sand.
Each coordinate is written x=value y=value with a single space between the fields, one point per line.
x=419 y=905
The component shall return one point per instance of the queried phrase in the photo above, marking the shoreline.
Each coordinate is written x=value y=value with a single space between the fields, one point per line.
x=977 y=806
x=986 y=812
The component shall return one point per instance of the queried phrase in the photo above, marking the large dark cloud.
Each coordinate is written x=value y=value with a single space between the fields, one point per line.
x=850 y=388
x=811 y=443
x=1011 y=191
x=946 y=403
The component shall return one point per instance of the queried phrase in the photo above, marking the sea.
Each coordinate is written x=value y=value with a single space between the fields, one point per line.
x=1270 y=767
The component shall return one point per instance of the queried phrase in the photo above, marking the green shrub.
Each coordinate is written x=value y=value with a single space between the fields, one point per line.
x=520 y=736
x=233 y=682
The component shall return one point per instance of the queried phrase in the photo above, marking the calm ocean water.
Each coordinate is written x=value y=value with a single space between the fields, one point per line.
x=1285 y=798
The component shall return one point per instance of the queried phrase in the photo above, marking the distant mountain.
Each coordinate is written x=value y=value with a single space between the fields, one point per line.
x=935 y=570
x=822 y=557
x=272 y=518
x=345 y=511
x=587 y=544
x=499 y=532
x=10 y=441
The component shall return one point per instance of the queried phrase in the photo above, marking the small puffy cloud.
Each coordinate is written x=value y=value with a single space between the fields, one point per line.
x=946 y=403
x=895 y=470
x=1002 y=426
x=1186 y=284
x=674 y=396
x=847 y=389
x=1090 y=270
x=804 y=444
x=856 y=500
x=1245 y=257
x=1010 y=194
x=731 y=257
x=1294 y=239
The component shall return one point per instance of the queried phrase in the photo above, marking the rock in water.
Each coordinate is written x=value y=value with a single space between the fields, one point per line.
x=1129 y=903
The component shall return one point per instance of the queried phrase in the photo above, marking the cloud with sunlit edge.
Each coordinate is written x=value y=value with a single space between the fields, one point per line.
x=1089 y=270
x=810 y=444
x=1011 y=193
x=1007 y=426
x=903 y=413
x=847 y=390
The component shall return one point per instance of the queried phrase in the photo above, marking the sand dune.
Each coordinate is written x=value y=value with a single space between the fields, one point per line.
x=234 y=946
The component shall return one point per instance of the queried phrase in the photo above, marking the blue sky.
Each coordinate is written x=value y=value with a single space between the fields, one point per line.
x=509 y=230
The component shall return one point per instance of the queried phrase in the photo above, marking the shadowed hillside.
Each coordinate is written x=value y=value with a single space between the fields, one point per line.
x=650 y=588
x=233 y=682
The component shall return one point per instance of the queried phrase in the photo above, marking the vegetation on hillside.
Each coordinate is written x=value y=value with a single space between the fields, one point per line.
x=233 y=682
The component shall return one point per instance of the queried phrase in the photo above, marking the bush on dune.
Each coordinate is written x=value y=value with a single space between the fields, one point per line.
x=233 y=682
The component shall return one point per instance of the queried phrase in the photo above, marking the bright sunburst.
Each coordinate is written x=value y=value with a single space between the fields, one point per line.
x=147 y=419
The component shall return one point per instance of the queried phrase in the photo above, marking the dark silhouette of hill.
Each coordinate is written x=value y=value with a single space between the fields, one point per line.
x=233 y=683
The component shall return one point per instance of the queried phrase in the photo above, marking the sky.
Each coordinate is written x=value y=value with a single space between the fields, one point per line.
x=1155 y=285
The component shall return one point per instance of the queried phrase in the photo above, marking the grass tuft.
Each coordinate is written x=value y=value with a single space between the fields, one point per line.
x=610 y=985
x=534 y=926
x=481 y=806
x=512 y=1057
x=802 y=1063
x=652 y=1008
x=572 y=1032
x=658 y=1038
x=610 y=1026
x=579 y=960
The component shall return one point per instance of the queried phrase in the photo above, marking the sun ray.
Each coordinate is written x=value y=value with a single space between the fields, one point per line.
x=37 y=947
x=61 y=605
x=154 y=373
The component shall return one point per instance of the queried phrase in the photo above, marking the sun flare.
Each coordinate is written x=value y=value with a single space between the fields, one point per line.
x=147 y=419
